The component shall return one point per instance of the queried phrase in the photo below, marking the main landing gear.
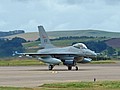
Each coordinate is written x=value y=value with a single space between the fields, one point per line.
x=70 y=68
x=76 y=67
x=50 y=67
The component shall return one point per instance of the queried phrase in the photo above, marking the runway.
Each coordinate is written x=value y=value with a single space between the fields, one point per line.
x=32 y=76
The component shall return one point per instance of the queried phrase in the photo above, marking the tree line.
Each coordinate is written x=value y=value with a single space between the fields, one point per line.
x=7 y=47
x=2 y=34
x=76 y=37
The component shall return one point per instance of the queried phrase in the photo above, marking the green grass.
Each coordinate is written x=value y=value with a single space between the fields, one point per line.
x=20 y=62
x=14 y=88
x=103 y=62
x=101 y=85
x=26 y=62
x=31 y=44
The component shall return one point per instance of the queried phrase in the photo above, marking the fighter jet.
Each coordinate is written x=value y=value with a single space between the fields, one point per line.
x=53 y=55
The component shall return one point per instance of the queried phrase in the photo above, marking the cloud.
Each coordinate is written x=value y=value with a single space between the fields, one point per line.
x=112 y=2
x=59 y=14
x=111 y=24
x=2 y=23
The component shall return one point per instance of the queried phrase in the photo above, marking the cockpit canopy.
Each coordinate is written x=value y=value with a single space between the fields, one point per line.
x=80 y=46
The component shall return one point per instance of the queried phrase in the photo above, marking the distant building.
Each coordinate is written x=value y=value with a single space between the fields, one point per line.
x=17 y=32
x=2 y=34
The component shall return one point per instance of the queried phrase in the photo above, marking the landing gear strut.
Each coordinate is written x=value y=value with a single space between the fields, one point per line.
x=50 y=67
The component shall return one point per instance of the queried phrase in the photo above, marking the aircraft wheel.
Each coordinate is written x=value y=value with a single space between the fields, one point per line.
x=69 y=67
x=50 y=67
x=76 y=68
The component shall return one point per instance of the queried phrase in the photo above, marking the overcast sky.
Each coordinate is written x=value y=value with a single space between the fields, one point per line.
x=60 y=15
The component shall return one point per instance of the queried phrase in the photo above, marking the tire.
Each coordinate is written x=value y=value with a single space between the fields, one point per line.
x=50 y=67
x=69 y=67
x=76 y=68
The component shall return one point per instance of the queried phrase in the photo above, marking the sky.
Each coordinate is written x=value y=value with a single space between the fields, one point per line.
x=59 y=15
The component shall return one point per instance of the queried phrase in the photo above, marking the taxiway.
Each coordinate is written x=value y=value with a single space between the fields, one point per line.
x=32 y=76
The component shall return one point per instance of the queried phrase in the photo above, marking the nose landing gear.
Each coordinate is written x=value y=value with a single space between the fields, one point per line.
x=76 y=68
x=50 y=67
x=70 y=68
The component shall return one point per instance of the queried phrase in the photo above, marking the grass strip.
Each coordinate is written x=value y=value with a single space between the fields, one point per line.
x=103 y=85
x=14 y=88
x=99 y=85
x=103 y=62
x=20 y=62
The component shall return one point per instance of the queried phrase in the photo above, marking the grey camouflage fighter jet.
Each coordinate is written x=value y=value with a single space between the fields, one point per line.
x=52 y=55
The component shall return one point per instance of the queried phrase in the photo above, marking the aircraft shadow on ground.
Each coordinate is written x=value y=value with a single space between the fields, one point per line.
x=59 y=70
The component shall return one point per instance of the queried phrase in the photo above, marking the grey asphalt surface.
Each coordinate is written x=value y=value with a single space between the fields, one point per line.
x=33 y=76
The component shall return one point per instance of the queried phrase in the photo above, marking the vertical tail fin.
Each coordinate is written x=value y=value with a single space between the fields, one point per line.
x=45 y=42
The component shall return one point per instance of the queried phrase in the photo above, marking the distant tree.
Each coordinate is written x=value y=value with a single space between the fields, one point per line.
x=7 y=47
x=18 y=40
x=96 y=46
x=119 y=53
x=110 y=51
x=100 y=46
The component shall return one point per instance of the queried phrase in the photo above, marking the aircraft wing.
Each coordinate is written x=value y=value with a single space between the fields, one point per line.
x=47 y=54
